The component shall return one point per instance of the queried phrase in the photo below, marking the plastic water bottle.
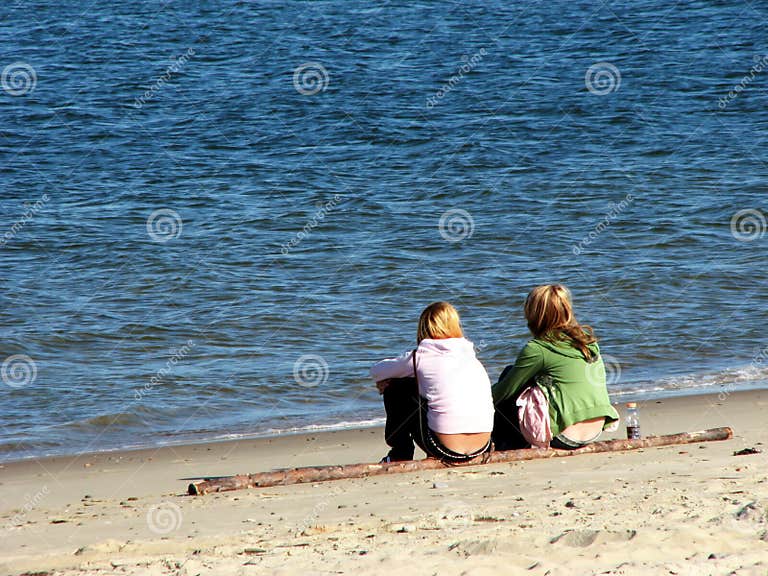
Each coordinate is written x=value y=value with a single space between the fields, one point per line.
x=633 y=421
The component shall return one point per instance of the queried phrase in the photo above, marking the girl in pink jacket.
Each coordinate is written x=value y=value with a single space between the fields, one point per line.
x=438 y=395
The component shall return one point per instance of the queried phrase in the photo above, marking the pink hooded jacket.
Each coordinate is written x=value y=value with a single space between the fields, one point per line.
x=453 y=381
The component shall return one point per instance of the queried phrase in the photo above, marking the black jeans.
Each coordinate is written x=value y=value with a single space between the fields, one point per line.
x=506 y=426
x=406 y=418
x=407 y=423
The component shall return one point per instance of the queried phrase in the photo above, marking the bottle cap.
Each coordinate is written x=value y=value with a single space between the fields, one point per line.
x=631 y=404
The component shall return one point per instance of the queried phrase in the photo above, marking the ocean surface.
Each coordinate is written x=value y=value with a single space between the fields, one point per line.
x=214 y=216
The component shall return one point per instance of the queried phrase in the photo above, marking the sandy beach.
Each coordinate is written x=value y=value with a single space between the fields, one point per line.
x=693 y=509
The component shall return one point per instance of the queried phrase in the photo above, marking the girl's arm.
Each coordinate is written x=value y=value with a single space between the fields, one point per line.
x=400 y=367
x=529 y=362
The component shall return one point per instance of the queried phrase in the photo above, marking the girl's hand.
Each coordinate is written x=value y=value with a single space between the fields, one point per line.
x=381 y=385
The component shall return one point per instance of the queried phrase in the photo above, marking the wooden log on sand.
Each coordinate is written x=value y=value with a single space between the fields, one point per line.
x=325 y=473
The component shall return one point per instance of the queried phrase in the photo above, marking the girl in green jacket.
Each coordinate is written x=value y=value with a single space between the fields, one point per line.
x=564 y=360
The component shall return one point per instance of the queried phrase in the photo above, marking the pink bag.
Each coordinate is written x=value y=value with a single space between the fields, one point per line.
x=533 y=413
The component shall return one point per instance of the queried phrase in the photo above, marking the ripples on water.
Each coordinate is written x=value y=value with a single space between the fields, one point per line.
x=247 y=162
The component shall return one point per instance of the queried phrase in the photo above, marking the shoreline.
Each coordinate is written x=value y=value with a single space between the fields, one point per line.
x=264 y=442
x=618 y=399
x=90 y=513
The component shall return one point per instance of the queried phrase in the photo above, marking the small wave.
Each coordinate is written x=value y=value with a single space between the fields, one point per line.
x=273 y=432
x=742 y=377
x=23 y=446
x=106 y=420
x=137 y=417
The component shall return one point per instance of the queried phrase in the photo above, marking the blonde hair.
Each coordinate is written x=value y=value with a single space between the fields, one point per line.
x=438 y=321
x=549 y=312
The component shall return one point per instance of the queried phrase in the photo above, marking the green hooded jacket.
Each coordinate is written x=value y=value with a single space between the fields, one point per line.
x=576 y=390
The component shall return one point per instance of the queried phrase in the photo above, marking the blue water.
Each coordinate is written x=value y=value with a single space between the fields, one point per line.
x=294 y=160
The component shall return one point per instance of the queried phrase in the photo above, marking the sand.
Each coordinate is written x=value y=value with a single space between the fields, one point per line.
x=695 y=509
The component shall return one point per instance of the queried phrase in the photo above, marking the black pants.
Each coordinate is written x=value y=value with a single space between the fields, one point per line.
x=407 y=424
x=406 y=418
x=506 y=426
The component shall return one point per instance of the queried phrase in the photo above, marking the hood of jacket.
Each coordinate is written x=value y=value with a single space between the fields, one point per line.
x=446 y=345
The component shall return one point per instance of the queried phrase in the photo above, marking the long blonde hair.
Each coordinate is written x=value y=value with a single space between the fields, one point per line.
x=549 y=312
x=439 y=320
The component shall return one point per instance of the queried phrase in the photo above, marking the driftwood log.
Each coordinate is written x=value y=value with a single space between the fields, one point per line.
x=324 y=473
